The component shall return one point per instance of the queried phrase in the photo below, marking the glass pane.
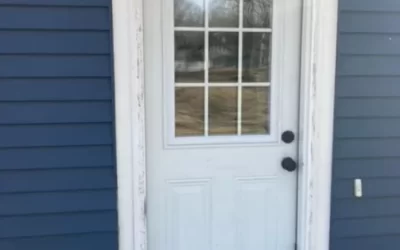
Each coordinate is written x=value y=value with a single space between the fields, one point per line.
x=222 y=110
x=223 y=57
x=255 y=110
x=189 y=111
x=257 y=13
x=189 y=13
x=256 y=57
x=224 y=13
x=189 y=56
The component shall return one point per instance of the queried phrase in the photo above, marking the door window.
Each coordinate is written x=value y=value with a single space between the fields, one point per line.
x=222 y=76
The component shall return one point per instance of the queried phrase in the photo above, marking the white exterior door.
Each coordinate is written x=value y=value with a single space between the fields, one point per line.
x=222 y=85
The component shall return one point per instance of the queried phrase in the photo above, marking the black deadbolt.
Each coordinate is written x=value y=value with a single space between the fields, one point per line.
x=287 y=136
x=289 y=164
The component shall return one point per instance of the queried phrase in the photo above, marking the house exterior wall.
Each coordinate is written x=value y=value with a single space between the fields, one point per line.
x=367 y=127
x=57 y=163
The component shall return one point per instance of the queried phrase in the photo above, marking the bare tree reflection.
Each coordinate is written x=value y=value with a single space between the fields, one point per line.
x=223 y=62
x=189 y=56
x=223 y=54
x=224 y=13
x=189 y=13
x=256 y=57
x=257 y=13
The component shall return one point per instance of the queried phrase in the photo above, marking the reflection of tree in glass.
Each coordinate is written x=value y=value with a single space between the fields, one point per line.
x=223 y=54
x=189 y=56
x=257 y=13
x=189 y=13
x=224 y=13
x=256 y=57
x=191 y=43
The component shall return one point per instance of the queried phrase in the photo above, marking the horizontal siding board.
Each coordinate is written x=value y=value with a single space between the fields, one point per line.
x=370 y=5
x=56 y=157
x=55 y=135
x=55 y=66
x=57 y=202
x=54 y=224
x=54 y=112
x=55 y=89
x=78 y=3
x=366 y=227
x=371 y=86
x=367 y=121
x=372 y=188
x=369 y=44
x=97 y=241
x=24 y=17
x=57 y=165
x=40 y=180
x=57 y=42
x=368 y=65
x=367 y=128
x=358 y=148
x=363 y=107
x=386 y=242
x=357 y=208
x=366 y=168
x=369 y=22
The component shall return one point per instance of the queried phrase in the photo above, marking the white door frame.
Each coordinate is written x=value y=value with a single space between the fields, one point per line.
x=316 y=123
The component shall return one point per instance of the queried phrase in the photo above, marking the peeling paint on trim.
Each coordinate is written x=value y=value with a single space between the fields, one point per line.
x=316 y=123
x=130 y=122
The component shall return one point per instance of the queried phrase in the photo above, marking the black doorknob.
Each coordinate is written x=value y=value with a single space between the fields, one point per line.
x=287 y=136
x=289 y=164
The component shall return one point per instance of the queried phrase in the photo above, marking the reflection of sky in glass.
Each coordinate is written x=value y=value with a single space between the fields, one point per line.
x=198 y=2
x=201 y=2
x=189 y=13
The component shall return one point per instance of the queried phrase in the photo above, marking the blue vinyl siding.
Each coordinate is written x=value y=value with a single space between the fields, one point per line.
x=57 y=159
x=28 y=17
x=367 y=127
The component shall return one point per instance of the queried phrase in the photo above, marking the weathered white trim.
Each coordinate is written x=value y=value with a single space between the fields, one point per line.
x=130 y=122
x=316 y=122
x=316 y=133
